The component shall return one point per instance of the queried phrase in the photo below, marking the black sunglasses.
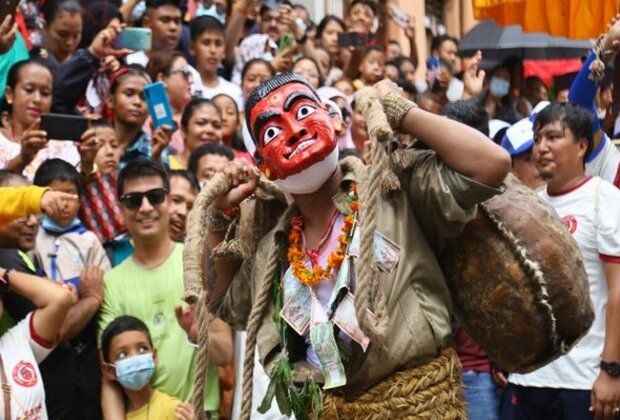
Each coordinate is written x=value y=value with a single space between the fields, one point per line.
x=133 y=201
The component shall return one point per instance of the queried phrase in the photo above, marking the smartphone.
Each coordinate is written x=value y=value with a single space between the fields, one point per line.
x=137 y=39
x=8 y=7
x=352 y=39
x=159 y=105
x=401 y=18
x=285 y=43
x=63 y=126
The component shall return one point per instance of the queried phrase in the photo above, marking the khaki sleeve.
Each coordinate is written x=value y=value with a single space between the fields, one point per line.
x=234 y=306
x=442 y=199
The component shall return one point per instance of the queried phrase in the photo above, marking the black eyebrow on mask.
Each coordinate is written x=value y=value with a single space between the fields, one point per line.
x=296 y=96
x=262 y=120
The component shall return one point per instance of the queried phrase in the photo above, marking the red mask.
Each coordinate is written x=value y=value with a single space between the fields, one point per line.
x=292 y=129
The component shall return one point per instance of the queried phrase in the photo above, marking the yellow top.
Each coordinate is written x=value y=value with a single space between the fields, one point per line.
x=16 y=202
x=175 y=163
x=160 y=407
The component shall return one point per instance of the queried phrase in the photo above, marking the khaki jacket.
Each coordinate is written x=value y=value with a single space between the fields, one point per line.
x=433 y=205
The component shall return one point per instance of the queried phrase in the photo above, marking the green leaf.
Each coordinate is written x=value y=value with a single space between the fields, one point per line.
x=265 y=405
x=282 y=397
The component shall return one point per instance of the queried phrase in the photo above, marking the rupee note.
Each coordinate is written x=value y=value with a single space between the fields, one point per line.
x=296 y=311
x=345 y=319
x=324 y=345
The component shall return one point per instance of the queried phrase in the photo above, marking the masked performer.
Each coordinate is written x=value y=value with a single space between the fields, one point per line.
x=298 y=296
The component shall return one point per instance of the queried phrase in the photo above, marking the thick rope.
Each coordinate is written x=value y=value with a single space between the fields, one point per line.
x=368 y=291
x=194 y=258
x=200 y=376
x=258 y=308
x=431 y=391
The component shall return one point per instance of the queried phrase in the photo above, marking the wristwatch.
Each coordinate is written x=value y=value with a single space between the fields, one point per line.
x=4 y=281
x=612 y=368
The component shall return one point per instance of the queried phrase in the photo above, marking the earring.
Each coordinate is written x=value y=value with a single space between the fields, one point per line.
x=338 y=127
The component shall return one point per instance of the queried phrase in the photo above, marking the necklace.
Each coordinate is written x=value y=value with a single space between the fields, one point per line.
x=296 y=256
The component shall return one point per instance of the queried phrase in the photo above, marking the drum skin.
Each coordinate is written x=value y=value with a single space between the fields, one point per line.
x=517 y=281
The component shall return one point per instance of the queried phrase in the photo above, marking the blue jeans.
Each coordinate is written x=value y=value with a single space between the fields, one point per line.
x=481 y=395
x=531 y=403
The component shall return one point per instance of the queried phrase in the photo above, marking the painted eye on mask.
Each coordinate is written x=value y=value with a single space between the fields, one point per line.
x=304 y=111
x=270 y=134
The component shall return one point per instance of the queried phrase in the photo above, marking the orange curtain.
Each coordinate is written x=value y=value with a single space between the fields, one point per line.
x=576 y=19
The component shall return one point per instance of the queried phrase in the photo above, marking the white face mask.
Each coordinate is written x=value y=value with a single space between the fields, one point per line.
x=311 y=179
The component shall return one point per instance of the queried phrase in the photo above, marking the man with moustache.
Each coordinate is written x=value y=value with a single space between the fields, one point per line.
x=585 y=382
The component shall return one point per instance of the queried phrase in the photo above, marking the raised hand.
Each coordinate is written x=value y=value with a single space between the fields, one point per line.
x=32 y=140
x=160 y=139
x=91 y=283
x=8 y=32
x=243 y=178
x=103 y=43
x=473 y=80
x=88 y=147
x=53 y=203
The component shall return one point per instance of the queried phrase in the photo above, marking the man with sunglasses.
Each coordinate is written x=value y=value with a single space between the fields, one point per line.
x=149 y=284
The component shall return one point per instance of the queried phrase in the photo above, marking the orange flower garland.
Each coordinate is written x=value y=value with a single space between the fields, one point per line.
x=296 y=256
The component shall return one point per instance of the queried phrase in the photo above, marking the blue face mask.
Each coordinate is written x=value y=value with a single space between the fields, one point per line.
x=50 y=226
x=499 y=87
x=136 y=371
x=201 y=10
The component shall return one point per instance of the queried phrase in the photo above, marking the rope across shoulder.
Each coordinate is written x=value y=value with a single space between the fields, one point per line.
x=368 y=291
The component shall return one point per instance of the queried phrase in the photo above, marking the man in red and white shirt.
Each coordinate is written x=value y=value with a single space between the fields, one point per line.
x=587 y=378
x=28 y=343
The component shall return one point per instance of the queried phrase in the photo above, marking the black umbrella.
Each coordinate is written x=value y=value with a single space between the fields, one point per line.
x=498 y=43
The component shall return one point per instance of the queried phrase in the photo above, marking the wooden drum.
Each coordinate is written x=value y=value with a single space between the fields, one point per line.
x=517 y=280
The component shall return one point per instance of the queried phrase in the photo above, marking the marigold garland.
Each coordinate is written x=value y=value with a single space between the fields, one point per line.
x=296 y=256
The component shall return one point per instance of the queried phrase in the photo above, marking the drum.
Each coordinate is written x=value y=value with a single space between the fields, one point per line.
x=517 y=281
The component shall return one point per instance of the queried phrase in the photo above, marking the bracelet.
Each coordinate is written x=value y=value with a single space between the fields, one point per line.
x=218 y=220
x=395 y=108
x=597 y=67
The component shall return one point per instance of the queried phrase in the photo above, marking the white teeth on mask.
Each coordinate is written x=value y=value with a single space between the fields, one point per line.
x=302 y=146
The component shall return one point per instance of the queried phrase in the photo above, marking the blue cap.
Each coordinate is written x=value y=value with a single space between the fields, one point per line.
x=519 y=138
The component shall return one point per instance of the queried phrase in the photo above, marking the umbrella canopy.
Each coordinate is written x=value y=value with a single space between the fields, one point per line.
x=575 y=19
x=498 y=43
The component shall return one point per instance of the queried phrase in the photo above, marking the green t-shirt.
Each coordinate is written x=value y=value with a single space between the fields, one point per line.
x=151 y=295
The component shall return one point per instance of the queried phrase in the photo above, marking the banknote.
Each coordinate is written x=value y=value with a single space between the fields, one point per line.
x=296 y=311
x=324 y=345
x=345 y=319
x=386 y=253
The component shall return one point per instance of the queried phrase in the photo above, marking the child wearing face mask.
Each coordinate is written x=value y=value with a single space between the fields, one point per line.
x=128 y=357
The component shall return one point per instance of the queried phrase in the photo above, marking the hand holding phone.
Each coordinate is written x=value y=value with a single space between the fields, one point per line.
x=352 y=39
x=159 y=105
x=401 y=18
x=63 y=127
x=137 y=39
